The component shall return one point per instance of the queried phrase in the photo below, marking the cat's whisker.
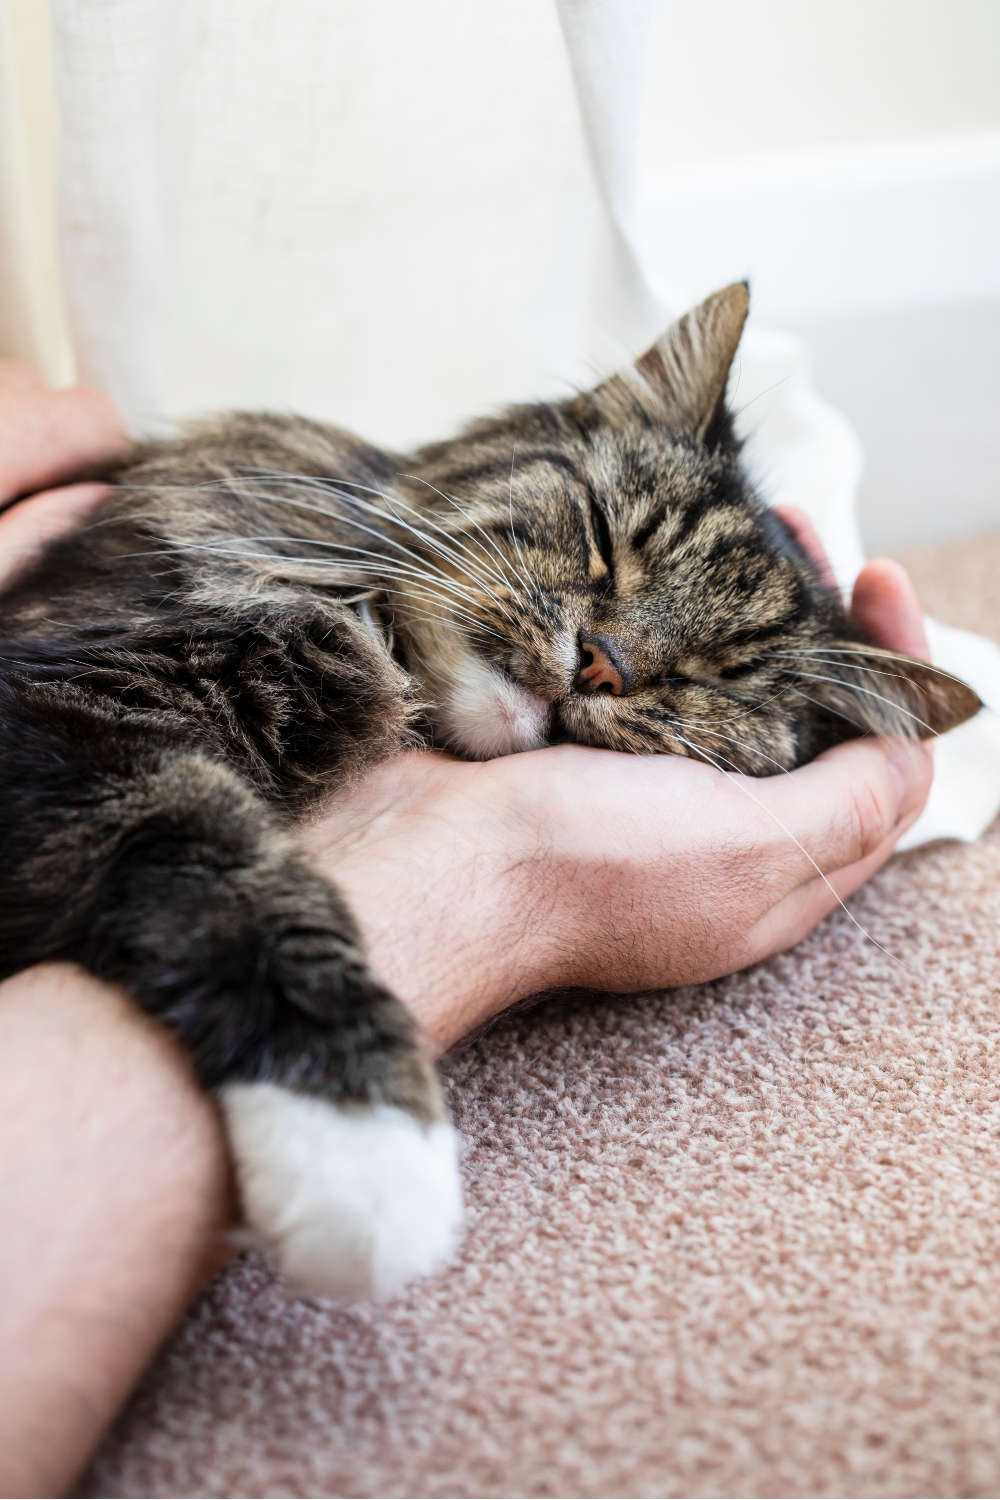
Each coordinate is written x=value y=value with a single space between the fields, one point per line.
x=450 y=556
x=471 y=627
x=472 y=624
x=822 y=661
x=430 y=587
x=826 y=707
x=832 y=648
x=829 y=661
x=371 y=531
x=476 y=577
x=741 y=783
x=505 y=562
x=513 y=579
x=740 y=744
x=385 y=565
x=855 y=687
x=380 y=558
x=315 y=481
x=449 y=552
x=334 y=515
x=336 y=488
x=392 y=542
x=454 y=541
x=698 y=752
x=754 y=708
x=838 y=651
x=332 y=489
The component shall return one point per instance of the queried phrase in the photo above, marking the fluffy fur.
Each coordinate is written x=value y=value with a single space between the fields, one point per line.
x=352 y=1202
x=267 y=606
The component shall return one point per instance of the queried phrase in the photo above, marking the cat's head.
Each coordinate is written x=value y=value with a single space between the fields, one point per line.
x=600 y=570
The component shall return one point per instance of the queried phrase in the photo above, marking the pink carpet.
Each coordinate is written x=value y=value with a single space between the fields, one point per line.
x=739 y=1239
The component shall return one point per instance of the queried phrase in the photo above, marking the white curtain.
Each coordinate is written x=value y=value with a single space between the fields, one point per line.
x=396 y=214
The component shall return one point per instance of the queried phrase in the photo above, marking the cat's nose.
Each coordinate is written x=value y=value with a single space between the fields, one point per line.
x=602 y=667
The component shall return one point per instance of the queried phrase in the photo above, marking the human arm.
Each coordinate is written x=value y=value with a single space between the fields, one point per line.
x=114 y=1174
x=114 y=1192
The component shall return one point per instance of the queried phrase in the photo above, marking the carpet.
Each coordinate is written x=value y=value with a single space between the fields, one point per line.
x=740 y=1239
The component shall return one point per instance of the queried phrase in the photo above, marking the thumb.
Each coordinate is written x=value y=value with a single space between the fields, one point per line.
x=27 y=528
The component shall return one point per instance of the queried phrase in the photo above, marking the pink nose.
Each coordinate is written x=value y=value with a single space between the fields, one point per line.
x=604 y=671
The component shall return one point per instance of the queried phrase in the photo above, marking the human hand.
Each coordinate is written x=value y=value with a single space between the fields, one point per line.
x=479 y=884
x=45 y=436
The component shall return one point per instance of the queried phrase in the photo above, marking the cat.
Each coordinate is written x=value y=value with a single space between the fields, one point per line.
x=267 y=606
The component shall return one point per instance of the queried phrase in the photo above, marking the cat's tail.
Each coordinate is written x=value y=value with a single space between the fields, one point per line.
x=345 y=1162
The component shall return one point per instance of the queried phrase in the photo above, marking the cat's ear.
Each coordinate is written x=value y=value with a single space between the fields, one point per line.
x=883 y=692
x=688 y=366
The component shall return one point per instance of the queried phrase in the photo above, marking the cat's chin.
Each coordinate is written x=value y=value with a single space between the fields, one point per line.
x=485 y=713
x=350 y=1202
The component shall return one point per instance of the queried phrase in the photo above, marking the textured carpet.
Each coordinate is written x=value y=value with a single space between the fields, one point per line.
x=738 y=1239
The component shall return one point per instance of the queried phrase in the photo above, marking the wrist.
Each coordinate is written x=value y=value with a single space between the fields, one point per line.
x=442 y=864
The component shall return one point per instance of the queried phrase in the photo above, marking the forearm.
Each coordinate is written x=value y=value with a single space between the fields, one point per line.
x=445 y=875
x=114 y=1180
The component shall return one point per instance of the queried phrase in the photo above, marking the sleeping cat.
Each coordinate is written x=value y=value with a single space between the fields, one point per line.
x=267 y=606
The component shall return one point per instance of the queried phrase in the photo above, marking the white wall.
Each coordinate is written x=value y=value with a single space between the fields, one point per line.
x=845 y=155
x=735 y=78
x=922 y=388
x=842 y=153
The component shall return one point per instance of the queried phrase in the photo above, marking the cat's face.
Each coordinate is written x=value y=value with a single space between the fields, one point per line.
x=600 y=571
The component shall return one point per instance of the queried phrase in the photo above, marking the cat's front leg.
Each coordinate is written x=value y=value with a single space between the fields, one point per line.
x=186 y=893
x=349 y=1200
x=346 y=1164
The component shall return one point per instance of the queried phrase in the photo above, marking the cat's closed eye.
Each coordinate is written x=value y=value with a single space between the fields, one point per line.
x=602 y=535
x=699 y=628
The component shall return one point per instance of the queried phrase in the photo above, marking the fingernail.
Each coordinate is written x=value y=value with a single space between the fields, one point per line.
x=908 y=764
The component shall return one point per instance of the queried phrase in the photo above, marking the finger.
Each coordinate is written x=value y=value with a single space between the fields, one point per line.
x=27 y=528
x=839 y=809
x=47 y=436
x=886 y=607
x=805 y=534
x=794 y=917
x=17 y=376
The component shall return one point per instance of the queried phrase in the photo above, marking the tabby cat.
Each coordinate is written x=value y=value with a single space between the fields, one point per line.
x=266 y=606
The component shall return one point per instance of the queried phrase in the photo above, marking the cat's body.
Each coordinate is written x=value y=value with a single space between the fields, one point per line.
x=266 y=607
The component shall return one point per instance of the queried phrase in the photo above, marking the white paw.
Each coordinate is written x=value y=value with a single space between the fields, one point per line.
x=350 y=1202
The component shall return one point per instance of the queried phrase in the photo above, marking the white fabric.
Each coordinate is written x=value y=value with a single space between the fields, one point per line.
x=369 y=210
x=963 y=799
x=610 y=49
x=395 y=216
x=18 y=292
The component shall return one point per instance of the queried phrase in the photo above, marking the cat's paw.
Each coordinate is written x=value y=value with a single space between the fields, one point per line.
x=350 y=1202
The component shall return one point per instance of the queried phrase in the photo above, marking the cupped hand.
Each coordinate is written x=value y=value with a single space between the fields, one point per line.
x=479 y=884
